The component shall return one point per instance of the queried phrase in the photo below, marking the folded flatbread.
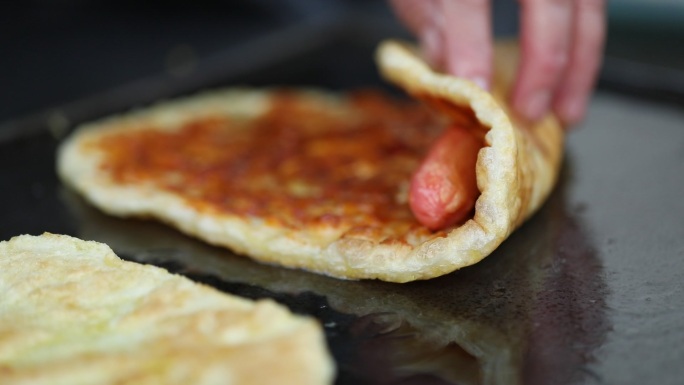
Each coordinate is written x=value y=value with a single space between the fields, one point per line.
x=72 y=312
x=315 y=180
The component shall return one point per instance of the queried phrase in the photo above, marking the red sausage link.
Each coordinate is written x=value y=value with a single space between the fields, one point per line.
x=444 y=188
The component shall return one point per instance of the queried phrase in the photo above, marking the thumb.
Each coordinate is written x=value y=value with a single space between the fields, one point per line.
x=423 y=18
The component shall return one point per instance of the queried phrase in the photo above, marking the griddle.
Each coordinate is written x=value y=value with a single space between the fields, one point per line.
x=589 y=290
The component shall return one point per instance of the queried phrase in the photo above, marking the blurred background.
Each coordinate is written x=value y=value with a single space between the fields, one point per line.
x=55 y=53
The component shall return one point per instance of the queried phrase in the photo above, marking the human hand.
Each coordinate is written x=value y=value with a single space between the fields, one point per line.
x=561 y=45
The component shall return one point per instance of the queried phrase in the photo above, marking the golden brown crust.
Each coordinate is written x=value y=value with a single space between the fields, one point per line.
x=72 y=312
x=515 y=171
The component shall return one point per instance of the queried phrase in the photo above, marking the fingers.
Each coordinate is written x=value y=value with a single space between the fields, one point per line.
x=562 y=42
x=468 y=39
x=424 y=19
x=416 y=14
x=455 y=35
x=585 y=59
x=545 y=33
x=444 y=188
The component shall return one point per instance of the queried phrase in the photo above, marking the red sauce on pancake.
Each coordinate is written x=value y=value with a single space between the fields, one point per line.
x=296 y=166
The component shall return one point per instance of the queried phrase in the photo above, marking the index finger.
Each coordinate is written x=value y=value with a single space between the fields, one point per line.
x=546 y=35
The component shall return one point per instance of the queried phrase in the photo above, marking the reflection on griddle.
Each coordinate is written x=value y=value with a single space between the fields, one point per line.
x=532 y=312
x=568 y=315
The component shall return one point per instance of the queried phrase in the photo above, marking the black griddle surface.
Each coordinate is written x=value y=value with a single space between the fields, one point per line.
x=589 y=290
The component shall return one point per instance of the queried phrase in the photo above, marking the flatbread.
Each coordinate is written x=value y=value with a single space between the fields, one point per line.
x=346 y=217
x=72 y=312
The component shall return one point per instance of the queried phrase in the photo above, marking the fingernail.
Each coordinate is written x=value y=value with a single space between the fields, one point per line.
x=537 y=104
x=572 y=111
x=482 y=82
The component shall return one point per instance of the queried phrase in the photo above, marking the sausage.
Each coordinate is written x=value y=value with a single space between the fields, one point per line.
x=444 y=188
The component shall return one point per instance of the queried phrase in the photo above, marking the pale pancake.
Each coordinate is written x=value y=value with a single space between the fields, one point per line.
x=72 y=312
